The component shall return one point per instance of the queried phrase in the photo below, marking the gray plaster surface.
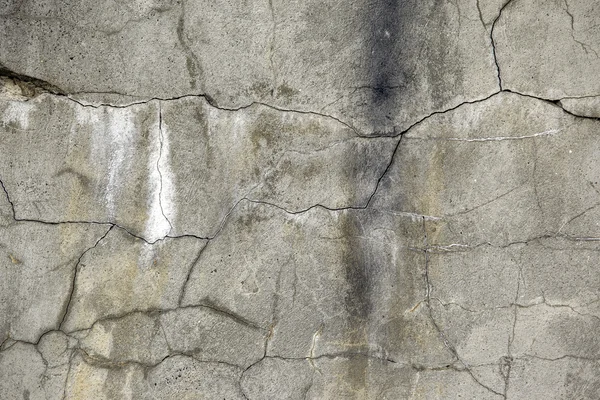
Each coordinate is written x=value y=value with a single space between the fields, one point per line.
x=299 y=200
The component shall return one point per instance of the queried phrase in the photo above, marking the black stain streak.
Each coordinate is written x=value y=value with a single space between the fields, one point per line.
x=385 y=21
x=357 y=300
x=385 y=30
x=361 y=275
x=385 y=77
x=358 y=272
x=384 y=59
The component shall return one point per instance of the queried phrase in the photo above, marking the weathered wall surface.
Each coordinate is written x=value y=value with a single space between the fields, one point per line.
x=370 y=199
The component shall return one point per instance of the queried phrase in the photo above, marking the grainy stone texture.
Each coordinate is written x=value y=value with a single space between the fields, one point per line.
x=299 y=200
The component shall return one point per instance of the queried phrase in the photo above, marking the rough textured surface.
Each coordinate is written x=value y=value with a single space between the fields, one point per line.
x=549 y=48
x=299 y=200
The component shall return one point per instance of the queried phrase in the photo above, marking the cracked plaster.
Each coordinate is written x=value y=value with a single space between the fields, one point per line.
x=305 y=200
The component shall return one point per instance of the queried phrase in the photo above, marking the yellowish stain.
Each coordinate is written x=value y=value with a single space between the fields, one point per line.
x=435 y=182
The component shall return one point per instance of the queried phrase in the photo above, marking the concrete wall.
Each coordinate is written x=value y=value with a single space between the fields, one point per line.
x=271 y=199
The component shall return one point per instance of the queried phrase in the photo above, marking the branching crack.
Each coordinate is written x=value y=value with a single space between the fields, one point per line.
x=36 y=86
x=360 y=207
x=449 y=346
x=337 y=209
x=73 y=282
x=586 y=48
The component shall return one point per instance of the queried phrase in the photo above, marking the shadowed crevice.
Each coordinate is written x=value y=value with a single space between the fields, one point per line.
x=30 y=86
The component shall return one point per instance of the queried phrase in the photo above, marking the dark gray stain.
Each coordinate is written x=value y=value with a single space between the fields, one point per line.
x=192 y=63
x=384 y=73
x=357 y=297
x=385 y=26
x=582 y=383
x=361 y=270
x=358 y=271
x=386 y=21
x=83 y=179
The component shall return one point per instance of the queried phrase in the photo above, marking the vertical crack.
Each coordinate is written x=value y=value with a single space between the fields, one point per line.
x=445 y=340
x=507 y=361
x=494 y=43
x=481 y=15
x=387 y=168
x=584 y=46
x=160 y=189
x=189 y=274
x=312 y=357
x=12 y=205
x=534 y=176
x=309 y=386
x=427 y=283
x=77 y=267
x=274 y=312
x=68 y=375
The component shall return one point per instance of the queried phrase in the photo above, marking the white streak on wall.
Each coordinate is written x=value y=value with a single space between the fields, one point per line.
x=18 y=112
x=160 y=188
x=115 y=147
x=113 y=144
x=120 y=136
x=167 y=178
x=500 y=138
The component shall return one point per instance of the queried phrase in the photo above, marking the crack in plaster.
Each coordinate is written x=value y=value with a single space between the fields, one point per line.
x=67 y=306
x=494 y=42
x=462 y=366
x=449 y=346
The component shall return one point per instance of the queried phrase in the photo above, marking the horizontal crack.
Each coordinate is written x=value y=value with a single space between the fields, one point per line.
x=107 y=363
x=510 y=305
x=446 y=248
x=493 y=138
x=159 y=311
